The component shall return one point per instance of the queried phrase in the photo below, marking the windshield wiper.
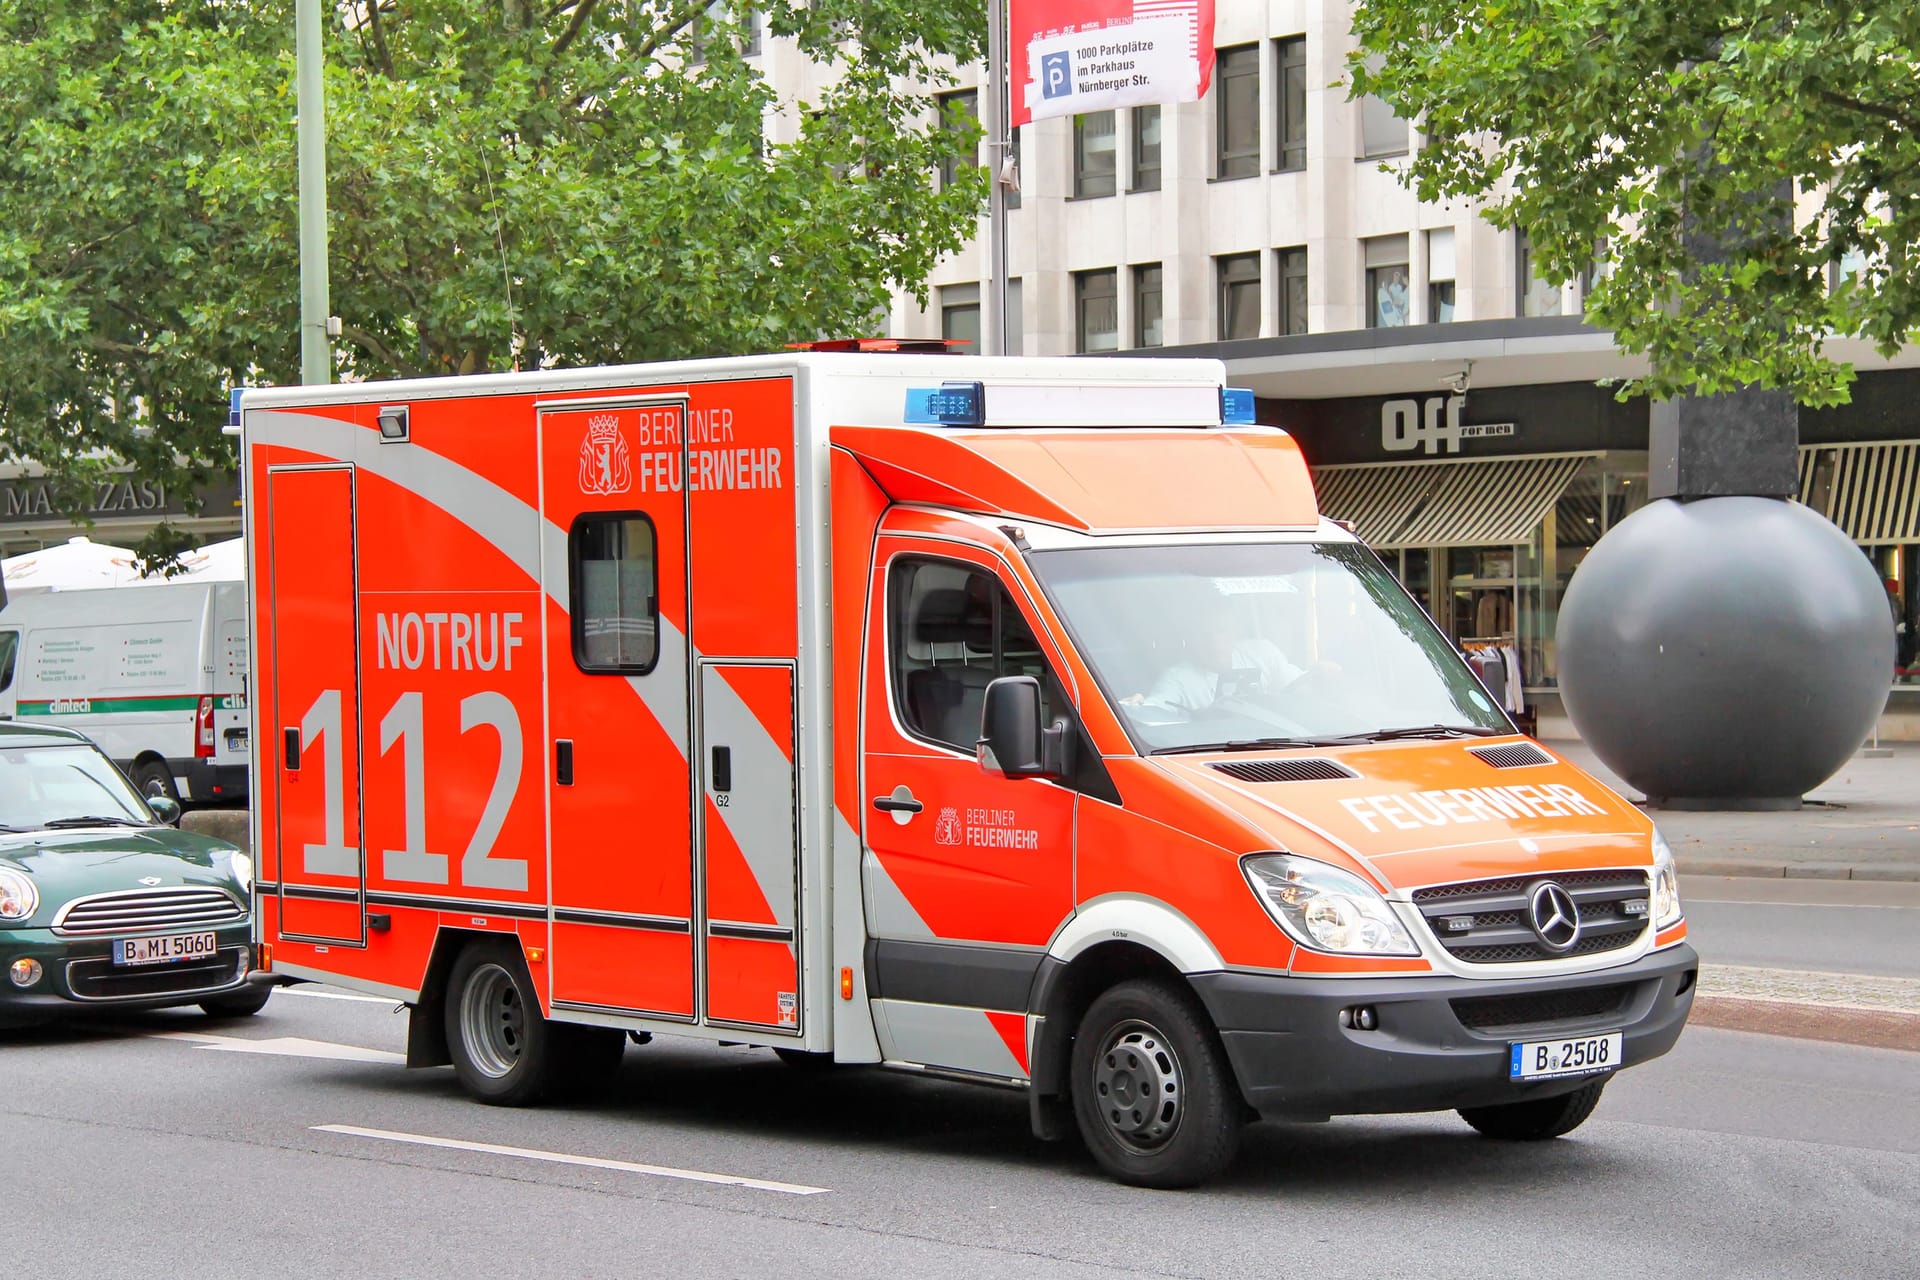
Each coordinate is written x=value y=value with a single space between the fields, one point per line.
x=1244 y=744
x=92 y=820
x=1424 y=731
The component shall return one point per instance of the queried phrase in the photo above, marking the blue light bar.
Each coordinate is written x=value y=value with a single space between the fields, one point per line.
x=233 y=406
x=1236 y=407
x=952 y=404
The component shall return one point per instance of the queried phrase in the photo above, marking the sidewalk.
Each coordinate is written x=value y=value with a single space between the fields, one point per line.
x=1861 y=824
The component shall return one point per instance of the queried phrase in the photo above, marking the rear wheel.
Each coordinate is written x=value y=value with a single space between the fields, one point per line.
x=243 y=1003
x=1155 y=1100
x=1538 y=1119
x=148 y=774
x=504 y=1053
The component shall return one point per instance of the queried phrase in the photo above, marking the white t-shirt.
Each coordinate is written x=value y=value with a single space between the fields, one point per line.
x=1190 y=687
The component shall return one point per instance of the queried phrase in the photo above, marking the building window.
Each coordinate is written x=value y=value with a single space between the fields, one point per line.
x=616 y=606
x=1293 y=290
x=1388 y=282
x=1537 y=297
x=1149 y=326
x=1146 y=150
x=1239 y=275
x=1096 y=311
x=1291 y=127
x=960 y=315
x=959 y=115
x=1441 y=273
x=1236 y=74
x=1382 y=133
x=1093 y=154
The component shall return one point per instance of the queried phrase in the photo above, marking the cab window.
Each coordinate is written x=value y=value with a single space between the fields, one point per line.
x=954 y=630
x=9 y=649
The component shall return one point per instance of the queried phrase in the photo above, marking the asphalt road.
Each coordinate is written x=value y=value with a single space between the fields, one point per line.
x=293 y=1144
x=1830 y=926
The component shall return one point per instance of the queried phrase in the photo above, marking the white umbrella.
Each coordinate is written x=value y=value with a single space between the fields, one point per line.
x=216 y=562
x=77 y=562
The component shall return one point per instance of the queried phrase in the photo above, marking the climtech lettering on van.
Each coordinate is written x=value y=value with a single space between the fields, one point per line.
x=1005 y=720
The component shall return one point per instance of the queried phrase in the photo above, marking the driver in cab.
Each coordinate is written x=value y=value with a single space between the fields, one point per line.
x=1219 y=666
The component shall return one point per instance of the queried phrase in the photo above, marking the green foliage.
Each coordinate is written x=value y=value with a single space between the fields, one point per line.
x=1635 y=132
x=514 y=183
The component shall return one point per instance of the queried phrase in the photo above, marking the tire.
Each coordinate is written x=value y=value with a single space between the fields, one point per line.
x=1152 y=1037
x=1538 y=1119
x=243 y=1003
x=504 y=1053
x=145 y=772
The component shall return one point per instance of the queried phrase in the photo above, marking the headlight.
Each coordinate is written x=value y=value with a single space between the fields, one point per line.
x=1666 y=884
x=18 y=898
x=243 y=869
x=1326 y=908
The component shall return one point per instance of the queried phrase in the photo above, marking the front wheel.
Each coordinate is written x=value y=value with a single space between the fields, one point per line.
x=1155 y=1100
x=503 y=1051
x=154 y=777
x=1538 y=1119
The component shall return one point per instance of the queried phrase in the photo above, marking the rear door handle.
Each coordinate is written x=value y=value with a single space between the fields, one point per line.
x=563 y=761
x=293 y=750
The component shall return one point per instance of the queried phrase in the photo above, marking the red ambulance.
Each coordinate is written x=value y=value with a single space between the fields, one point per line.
x=1019 y=720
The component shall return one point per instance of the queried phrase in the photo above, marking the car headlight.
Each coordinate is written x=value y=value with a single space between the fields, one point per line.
x=18 y=897
x=1666 y=884
x=243 y=869
x=1326 y=908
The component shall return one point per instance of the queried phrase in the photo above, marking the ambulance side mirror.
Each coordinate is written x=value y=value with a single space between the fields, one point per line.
x=1012 y=741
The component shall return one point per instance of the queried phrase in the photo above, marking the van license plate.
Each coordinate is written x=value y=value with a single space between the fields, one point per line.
x=1573 y=1056
x=173 y=947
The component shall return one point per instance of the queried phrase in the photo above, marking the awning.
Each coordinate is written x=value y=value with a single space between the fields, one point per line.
x=1480 y=503
x=1872 y=491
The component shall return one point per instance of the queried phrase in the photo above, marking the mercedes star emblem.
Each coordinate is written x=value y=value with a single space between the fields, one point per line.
x=1554 y=916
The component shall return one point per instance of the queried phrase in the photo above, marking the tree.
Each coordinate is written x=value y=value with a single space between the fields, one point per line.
x=526 y=183
x=1627 y=135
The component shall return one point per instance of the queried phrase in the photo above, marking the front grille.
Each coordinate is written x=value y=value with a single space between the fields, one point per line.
x=1541 y=1008
x=101 y=979
x=148 y=911
x=1486 y=921
x=1286 y=770
x=1512 y=755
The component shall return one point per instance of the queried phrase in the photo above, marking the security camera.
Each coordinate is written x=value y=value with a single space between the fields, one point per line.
x=1458 y=383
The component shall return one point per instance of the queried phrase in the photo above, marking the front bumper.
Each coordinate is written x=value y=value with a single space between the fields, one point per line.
x=1441 y=1043
x=78 y=975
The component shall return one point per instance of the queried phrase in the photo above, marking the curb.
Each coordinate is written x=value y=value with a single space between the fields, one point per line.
x=1843 y=1008
x=1770 y=870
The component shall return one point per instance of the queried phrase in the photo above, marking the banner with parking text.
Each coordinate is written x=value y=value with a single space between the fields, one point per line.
x=1071 y=56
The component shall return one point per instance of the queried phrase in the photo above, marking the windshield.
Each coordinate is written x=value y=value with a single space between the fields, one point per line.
x=41 y=785
x=1216 y=644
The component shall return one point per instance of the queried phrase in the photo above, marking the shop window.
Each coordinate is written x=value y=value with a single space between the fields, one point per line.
x=1093 y=154
x=1388 y=280
x=1236 y=75
x=959 y=117
x=1146 y=150
x=1096 y=311
x=1291 y=101
x=1239 y=295
x=1149 y=325
x=1293 y=290
x=960 y=315
x=954 y=630
x=616 y=608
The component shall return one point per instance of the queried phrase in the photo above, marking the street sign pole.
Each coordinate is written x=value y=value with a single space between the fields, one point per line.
x=316 y=362
x=994 y=322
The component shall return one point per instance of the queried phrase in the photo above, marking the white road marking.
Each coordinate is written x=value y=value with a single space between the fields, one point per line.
x=282 y=1047
x=338 y=995
x=555 y=1157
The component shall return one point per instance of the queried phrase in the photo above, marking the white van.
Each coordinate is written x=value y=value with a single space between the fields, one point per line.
x=156 y=675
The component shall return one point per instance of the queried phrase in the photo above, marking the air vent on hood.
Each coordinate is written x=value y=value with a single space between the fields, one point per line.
x=1285 y=770
x=1513 y=755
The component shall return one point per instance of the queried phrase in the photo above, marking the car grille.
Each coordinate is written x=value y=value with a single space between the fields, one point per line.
x=1485 y=921
x=101 y=979
x=148 y=910
x=1542 y=1008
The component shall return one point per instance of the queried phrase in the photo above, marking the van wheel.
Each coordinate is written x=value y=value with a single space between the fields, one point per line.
x=503 y=1051
x=147 y=773
x=1538 y=1119
x=239 y=1004
x=1155 y=1100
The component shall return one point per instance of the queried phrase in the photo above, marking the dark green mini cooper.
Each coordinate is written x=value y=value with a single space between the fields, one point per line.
x=103 y=905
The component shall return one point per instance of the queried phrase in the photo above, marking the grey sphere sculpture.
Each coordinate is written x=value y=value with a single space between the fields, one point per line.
x=1725 y=652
